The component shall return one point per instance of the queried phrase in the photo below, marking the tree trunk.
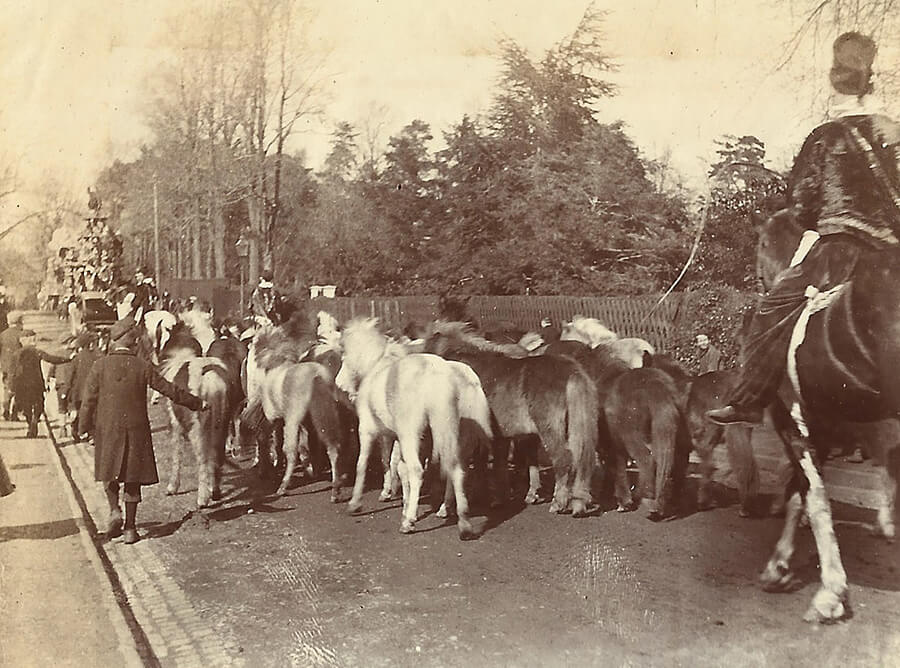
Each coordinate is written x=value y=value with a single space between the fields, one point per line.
x=196 y=245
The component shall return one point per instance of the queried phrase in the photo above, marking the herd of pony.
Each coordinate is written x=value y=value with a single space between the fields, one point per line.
x=459 y=409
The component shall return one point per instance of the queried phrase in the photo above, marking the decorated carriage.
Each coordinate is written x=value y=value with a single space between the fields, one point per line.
x=84 y=264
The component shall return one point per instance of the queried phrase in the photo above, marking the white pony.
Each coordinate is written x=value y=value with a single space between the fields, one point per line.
x=293 y=391
x=159 y=325
x=474 y=412
x=593 y=333
x=207 y=431
x=200 y=324
x=403 y=395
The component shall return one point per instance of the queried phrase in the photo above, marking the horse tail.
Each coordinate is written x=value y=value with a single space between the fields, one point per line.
x=581 y=405
x=214 y=384
x=671 y=444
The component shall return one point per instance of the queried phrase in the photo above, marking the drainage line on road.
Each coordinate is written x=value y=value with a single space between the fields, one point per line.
x=142 y=644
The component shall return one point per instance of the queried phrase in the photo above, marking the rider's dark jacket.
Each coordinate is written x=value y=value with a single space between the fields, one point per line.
x=845 y=184
x=846 y=179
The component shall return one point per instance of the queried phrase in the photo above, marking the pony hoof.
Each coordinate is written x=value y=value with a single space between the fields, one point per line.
x=335 y=498
x=826 y=607
x=354 y=506
x=384 y=497
x=777 y=577
x=744 y=512
x=581 y=509
x=171 y=491
x=442 y=511
x=557 y=508
x=881 y=531
x=281 y=490
x=407 y=527
x=532 y=498
x=467 y=533
x=620 y=508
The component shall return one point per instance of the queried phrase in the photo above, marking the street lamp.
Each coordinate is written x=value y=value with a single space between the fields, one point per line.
x=242 y=246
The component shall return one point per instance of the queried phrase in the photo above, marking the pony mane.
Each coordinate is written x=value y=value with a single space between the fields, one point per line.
x=461 y=334
x=273 y=348
x=171 y=364
x=587 y=330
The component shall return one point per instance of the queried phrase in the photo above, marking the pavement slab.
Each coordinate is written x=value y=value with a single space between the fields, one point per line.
x=59 y=608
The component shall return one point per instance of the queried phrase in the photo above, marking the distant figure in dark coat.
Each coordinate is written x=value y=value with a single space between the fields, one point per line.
x=82 y=364
x=4 y=309
x=114 y=409
x=709 y=358
x=28 y=380
x=9 y=352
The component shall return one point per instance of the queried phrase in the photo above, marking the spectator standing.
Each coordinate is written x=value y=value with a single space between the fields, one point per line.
x=709 y=357
x=9 y=350
x=28 y=380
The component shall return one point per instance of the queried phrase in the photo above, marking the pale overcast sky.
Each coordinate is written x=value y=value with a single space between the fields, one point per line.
x=73 y=72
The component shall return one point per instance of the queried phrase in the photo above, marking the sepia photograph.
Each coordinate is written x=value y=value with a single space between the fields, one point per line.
x=503 y=333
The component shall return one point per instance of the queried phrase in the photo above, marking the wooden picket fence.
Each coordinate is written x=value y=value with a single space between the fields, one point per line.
x=392 y=312
x=627 y=316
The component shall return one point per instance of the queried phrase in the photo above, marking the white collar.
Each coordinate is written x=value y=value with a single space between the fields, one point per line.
x=850 y=105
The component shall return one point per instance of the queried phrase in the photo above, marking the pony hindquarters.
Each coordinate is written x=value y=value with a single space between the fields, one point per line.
x=646 y=424
x=329 y=428
x=206 y=431
x=286 y=393
x=424 y=395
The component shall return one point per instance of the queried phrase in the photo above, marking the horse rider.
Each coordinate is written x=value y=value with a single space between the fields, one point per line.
x=844 y=188
x=28 y=380
x=114 y=408
x=144 y=292
x=264 y=301
x=10 y=346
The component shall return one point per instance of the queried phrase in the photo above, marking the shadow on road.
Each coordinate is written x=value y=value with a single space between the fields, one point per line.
x=41 y=531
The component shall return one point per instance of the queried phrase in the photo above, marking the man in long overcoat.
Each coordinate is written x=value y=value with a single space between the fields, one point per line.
x=114 y=408
x=9 y=351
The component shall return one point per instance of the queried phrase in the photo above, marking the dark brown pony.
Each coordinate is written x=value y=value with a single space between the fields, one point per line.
x=700 y=394
x=548 y=397
x=842 y=365
x=645 y=422
x=640 y=417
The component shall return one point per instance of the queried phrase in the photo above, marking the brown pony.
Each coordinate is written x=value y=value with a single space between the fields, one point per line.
x=700 y=394
x=645 y=422
x=842 y=365
x=544 y=396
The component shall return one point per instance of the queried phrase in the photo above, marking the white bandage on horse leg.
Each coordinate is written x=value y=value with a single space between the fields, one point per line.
x=834 y=578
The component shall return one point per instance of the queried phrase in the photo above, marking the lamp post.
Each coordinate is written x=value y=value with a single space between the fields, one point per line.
x=242 y=246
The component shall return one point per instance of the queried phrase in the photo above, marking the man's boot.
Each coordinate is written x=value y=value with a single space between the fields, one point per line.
x=131 y=534
x=114 y=528
x=735 y=415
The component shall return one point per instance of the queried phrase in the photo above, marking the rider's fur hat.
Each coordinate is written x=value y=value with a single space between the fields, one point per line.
x=851 y=71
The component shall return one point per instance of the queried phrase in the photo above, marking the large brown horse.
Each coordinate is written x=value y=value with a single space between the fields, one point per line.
x=842 y=365
x=548 y=397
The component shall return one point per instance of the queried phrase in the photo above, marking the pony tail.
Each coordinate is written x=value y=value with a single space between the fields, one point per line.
x=214 y=391
x=582 y=401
